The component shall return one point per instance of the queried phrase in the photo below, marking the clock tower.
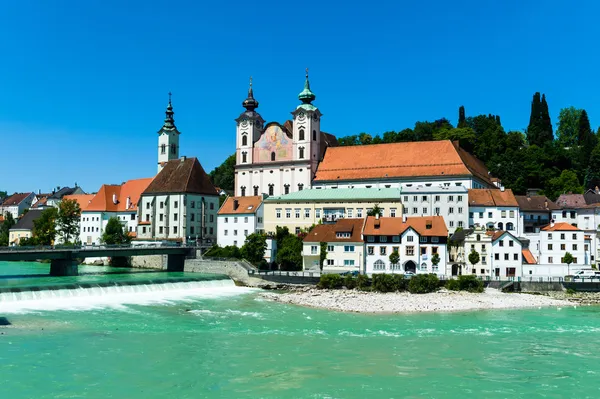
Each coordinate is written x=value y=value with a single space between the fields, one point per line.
x=168 y=138
x=249 y=129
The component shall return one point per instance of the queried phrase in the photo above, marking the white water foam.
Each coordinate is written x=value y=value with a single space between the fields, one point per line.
x=116 y=297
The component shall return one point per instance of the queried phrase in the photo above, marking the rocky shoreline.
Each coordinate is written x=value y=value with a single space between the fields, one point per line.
x=404 y=302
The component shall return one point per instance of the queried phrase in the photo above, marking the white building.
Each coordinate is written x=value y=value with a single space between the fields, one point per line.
x=120 y=201
x=179 y=204
x=534 y=213
x=344 y=246
x=447 y=200
x=278 y=159
x=416 y=239
x=238 y=218
x=507 y=258
x=480 y=242
x=494 y=209
x=168 y=138
x=559 y=238
x=16 y=204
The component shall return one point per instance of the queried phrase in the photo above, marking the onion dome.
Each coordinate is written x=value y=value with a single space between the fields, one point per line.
x=306 y=96
x=250 y=103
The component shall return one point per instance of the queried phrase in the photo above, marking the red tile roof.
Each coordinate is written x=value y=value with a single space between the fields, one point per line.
x=82 y=199
x=113 y=198
x=560 y=226
x=15 y=199
x=528 y=257
x=328 y=232
x=492 y=197
x=246 y=205
x=388 y=226
x=410 y=159
x=533 y=203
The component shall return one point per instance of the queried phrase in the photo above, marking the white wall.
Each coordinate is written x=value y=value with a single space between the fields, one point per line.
x=555 y=238
x=495 y=215
x=346 y=255
x=450 y=202
x=506 y=253
x=450 y=181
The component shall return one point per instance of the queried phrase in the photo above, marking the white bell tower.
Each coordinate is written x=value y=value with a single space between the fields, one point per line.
x=168 y=138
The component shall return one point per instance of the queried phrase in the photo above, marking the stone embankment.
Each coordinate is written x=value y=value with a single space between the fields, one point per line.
x=582 y=298
x=403 y=302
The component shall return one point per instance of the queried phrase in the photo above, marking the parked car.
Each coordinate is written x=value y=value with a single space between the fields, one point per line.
x=408 y=274
x=588 y=274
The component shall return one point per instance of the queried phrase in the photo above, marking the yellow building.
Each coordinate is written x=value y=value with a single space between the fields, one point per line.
x=302 y=209
x=24 y=227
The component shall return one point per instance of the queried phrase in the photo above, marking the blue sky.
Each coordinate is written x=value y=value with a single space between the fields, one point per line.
x=83 y=84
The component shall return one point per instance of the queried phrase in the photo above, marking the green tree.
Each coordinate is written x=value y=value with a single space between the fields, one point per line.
x=322 y=254
x=289 y=254
x=44 y=227
x=5 y=226
x=254 y=248
x=566 y=183
x=568 y=127
x=592 y=175
x=539 y=131
x=28 y=242
x=473 y=258
x=462 y=122
x=435 y=260
x=394 y=258
x=69 y=214
x=376 y=210
x=223 y=176
x=280 y=234
x=114 y=233
x=568 y=259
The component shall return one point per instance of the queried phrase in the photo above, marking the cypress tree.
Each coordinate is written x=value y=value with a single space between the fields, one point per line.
x=547 y=135
x=533 y=128
x=462 y=122
x=584 y=129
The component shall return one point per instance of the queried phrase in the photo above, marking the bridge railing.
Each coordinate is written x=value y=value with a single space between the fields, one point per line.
x=50 y=248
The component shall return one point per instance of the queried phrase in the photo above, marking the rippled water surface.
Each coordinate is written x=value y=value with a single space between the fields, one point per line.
x=225 y=342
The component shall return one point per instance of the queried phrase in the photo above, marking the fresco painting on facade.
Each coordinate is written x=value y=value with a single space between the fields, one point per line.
x=273 y=140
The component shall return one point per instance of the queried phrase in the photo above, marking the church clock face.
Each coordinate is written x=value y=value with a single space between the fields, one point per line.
x=301 y=116
x=244 y=122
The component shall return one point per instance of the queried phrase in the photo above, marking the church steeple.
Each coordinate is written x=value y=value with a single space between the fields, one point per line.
x=306 y=95
x=168 y=138
x=169 y=120
x=250 y=103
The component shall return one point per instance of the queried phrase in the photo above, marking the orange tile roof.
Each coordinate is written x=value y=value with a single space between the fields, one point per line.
x=104 y=200
x=560 y=226
x=82 y=199
x=410 y=159
x=328 y=232
x=246 y=205
x=15 y=199
x=389 y=226
x=528 y=257
x=492 y=197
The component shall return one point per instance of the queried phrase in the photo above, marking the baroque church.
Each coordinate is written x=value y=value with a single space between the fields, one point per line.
x=276 y=159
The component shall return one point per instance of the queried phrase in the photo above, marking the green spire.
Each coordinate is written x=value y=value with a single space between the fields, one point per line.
x=306 y=96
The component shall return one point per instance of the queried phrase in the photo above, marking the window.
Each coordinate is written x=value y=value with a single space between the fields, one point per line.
x=382 y=250
x=244 y=154
x=460 y=210
x=244 y=140
x=243 y=191
x=235 y=219
x=301 y=153
x=175 y=216
x=437 y=198
x=415 y=211
x=424 y=198
x=160 y=217
x=307 y=212
x=330 y=262
x=562 y=236
x=301 y=134
x=574 y=247
x=549 y=236
x=415 y=198
x=516 y=257
x=451 y=223
x=314 y=135
x=573 y=215
x=483 y=260
x=497 y=256
x=383 y=239
x=395 y=238
x=574 y=236
x=174 y=229
x=503 y=214
x=409 y=238
x=370 y=239
x=288 y=213
x=212 y=218
x=370 y=250
x=297 y=213
x=450 y=198
x=343 y=235
x=480 y=215
x=245 y=219
x=434 y=250
x=563 y=247
x=330 y=248
x=313 y=249
x=300 y=187
x=410 y=250
x=192 y=204
x=147 y=206
x=271 y=189
x=406 y=198
x=501 y=243
x=318 y=213
x=574 y=260
x=435 y=239
x=348 y=262
x=278 y=213
x=144 y=230
x=348 y=248
x=235 y=232
x=451 y=210
x=192 y=217
x=424 y=210
x=297 y=230
x=511 y=243
x=505 y=256
x=163 y=148
x=273 y=156
x=437 y=211
x=422 y=239
x=459 y=198
x=162 y=205
x=160 y=230
x=511 y=214
x=173 y=149
x=359 y=212
x=423 y=250
x=211 y=206
x=550 y=247
x=379 y=265
x=490 y=215
x=350 y=212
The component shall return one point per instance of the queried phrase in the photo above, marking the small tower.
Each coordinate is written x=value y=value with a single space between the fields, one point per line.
x=168 y=138
x=307 y=128
x=249 y=129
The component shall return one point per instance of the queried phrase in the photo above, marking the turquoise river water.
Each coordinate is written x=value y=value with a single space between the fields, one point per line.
x=210 y=339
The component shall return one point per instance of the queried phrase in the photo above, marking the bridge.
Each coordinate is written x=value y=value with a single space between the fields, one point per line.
x=63 y=260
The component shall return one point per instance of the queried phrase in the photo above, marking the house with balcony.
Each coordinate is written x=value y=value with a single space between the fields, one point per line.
x=535 y=212
x=480 y=242
x=344 y=246
x=494 y=209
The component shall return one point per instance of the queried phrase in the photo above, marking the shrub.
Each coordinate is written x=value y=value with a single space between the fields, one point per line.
x=423 y=283
x=350 y=282
x=470 y=283
x=362 y=282
x=330 y=281
x=453 y=285
x=570 y=291
x=400 y=283
x=383 y=283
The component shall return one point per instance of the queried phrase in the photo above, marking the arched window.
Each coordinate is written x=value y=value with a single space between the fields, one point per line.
x=243 y=191
x=255 y=190
x=301 y=152
x=244 y=156
x=301 y=135
x=273 y=156
x=509 y=226
x=244 y=140
x=314 y=135
x=478 y=237
x=271 y=189
x=163 y=148
x=173 y=149
x=286 y=188
x=500 y=226
x=300 y=187
x=379 y=265
x=424 y=266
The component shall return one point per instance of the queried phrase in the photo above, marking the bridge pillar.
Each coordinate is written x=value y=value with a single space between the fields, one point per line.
x=175 y=263
x=120 y=261
x=64 y=267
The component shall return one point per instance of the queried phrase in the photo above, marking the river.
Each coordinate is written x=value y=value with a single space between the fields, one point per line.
x=210 y=339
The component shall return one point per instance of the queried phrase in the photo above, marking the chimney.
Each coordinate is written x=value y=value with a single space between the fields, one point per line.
x=115 y=198
x=183 y=159
x=546 y=204
x=39 y=191
x=128 y=205
x=501 y=188
x=377 y=216
x=597 y=190
x=236 y=204
x=552 y=223
x=404 y=218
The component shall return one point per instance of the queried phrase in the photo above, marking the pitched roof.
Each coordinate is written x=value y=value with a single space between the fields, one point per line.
x=399 y=160
x=528 y=257
x=345 y=194
x=389 y=226
x=15 y=199
x=82 y=199
x=184 y=175
x=40 y=202
x=591 y=197
x=497 y=234
x=113 y=198
x=533 y=203
x=571 y=201
x=491 y=197
x=460 y=235
x=328 y=232
x=62 y=192
x=26 y=221
x=245 y=205
x=560 y=226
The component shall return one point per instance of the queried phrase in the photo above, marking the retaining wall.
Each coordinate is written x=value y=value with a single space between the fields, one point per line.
x=150 y=261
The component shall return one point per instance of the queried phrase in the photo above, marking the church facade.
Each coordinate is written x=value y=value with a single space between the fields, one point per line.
x=278 y=159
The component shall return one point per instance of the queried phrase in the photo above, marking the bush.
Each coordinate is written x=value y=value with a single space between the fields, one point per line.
x=423 y=283
x=350 y=282
x=400 y=283
x=470 y=283
x=362 y=282
x=570 y=291
x=330 y=281
x=453 y=285
x=383 y=283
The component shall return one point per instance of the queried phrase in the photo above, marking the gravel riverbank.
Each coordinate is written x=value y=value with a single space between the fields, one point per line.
x=404 y=302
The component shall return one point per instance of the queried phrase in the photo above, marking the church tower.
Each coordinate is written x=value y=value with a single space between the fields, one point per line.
x=307 y=129
x=168 y=138
x=249 y=129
